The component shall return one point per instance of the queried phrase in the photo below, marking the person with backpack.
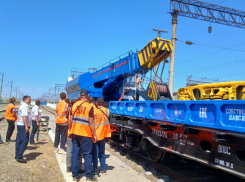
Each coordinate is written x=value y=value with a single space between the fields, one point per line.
x=69 y=143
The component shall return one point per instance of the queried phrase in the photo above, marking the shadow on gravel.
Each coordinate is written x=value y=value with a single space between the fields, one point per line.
x=107 y=156
x=41 y=143
x=109 y=167
x=31 y=148
x=32 y=156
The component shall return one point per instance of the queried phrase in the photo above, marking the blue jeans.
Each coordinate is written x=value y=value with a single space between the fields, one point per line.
x=98 y=151
x=22 y=140
x=34 y=131
x=84 y=144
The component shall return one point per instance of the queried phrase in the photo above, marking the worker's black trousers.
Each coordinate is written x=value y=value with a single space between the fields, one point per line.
x=11 y=128
x=60 y=132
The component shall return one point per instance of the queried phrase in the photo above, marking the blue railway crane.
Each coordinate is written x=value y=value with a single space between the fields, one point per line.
x=107 y=81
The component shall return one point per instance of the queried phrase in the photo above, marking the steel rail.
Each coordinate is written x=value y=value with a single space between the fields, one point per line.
x=49 y=110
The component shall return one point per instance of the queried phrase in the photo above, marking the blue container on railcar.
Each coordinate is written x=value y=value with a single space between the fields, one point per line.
x=222 y=115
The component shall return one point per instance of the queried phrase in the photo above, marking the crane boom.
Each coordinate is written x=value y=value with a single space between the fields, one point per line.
x=107 y=81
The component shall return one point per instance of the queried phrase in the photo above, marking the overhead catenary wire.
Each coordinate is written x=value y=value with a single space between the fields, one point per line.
x=208 y=54
x=149 y=32
x=220 y=77
x=138 y=40
x=212 y=46
x=211 y=67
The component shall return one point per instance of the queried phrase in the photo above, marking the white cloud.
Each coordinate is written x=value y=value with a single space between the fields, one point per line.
x=39 y=88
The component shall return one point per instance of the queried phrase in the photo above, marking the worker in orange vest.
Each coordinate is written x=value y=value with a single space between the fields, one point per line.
x=61 y=124
x=102 y=127
x=11 y=117
x=82 y=132
x=68 y=101
x=69 y=143
x=91 y=101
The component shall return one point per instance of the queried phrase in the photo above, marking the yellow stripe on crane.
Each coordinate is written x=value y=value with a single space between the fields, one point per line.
x=155 y=52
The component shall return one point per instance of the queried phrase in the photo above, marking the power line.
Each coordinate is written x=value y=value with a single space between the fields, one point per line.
x=230 y=75
x=210 y=67
x=138 y=40
x=148 y=33
x=210 y=46
x=208 y=70
x=208 y=54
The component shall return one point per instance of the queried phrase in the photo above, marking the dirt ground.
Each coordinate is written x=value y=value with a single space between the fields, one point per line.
x=42 y=165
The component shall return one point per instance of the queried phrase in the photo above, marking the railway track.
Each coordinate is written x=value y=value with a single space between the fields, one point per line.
x=178 y=168
x=52 y=111
x=2 y=110
x=3 y=107
x=174 y=166
x=1 y=116
x=140 y=156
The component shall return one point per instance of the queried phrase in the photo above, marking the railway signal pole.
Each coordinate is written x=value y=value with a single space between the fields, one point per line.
x=159 y=32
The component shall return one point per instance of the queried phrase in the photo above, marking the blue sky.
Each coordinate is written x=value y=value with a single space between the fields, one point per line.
x=40 y=41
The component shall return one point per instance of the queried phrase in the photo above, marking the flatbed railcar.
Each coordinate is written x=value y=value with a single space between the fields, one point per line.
x=210 y=132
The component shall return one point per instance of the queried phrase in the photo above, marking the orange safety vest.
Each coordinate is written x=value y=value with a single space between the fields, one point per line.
x=80 y=119
x=138 y=82
x=102 y=124
x=69 y=118
x=68 y=132
x=10 y=115
x=61 y=111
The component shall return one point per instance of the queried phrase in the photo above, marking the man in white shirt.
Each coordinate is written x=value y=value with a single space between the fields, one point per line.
x=23 y=126
x=36 y=117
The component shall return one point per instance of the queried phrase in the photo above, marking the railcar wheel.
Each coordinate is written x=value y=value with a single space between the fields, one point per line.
x=154 y=153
